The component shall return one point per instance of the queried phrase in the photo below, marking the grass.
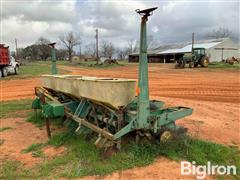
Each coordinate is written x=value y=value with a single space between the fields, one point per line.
x=83 y=158
x=12 y=170
x=93 y=64
x=36 y=118
x=36 y=150
x=12 y=106
x=34 y=69
x=5 y=128
x=33 y=147
x=222 y=65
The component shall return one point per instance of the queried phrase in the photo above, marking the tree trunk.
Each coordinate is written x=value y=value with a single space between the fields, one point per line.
x=70 y=55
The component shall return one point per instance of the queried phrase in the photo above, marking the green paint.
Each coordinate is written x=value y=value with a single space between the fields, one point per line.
x=143 y=98
x=54 y=66
x=52 y=110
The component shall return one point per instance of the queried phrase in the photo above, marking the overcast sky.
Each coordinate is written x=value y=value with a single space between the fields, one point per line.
x=117 y=21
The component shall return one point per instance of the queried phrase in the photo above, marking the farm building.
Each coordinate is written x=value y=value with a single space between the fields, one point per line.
x=217 y=49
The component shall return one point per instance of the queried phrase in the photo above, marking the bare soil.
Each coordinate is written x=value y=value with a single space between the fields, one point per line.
x=18 y=89
x=213 y=94
x=22 y=135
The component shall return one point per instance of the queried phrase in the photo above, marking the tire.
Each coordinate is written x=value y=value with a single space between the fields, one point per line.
x=0 y=73
x=4 y=72
x=191 y=64
x=16 y=70
x=204 y=61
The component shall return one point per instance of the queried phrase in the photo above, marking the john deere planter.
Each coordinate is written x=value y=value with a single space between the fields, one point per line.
x=108 y=106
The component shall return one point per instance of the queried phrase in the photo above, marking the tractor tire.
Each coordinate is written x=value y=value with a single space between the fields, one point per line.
x=0 y=73
x=191 y=64
x=204 y=61
x=16 y=70
x=4 y=72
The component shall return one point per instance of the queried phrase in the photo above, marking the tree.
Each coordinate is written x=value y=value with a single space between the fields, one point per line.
x=44 y=50
x=107 y=49
x=61 y=54
x=90 y=49
x=221 y=32
x=70 y=40
x=31 y=52
x=122 y=53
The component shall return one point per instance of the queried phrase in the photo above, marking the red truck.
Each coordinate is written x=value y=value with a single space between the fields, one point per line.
x=8 y=65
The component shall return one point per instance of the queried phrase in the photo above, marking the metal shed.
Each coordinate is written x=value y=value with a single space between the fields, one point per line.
x=160 y=55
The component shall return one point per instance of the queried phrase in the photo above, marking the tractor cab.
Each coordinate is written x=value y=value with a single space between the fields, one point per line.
x=199 y=52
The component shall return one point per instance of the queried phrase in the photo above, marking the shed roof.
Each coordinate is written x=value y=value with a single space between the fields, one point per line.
x=188 y=48
x=183 y=47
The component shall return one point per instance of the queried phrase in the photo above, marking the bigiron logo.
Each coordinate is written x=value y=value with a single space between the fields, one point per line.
x=201 y=171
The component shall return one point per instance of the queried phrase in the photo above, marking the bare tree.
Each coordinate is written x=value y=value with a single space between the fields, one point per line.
x=122 y=53
x=107 y=49
x=151 y=42
x=70 y=40
x=220 y=33
x=90 y=49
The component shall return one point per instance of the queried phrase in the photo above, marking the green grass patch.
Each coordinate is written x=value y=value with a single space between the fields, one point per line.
x=13 y=106
x=93 y=64
x=222 y=65
x=5 y=128
x=34 y=69
x=36 y=118
x=33 y=147
x=13 y=170
x=36 y=150
x=83 y=158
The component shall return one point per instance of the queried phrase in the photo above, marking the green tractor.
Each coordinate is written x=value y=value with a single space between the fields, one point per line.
x=196 y=57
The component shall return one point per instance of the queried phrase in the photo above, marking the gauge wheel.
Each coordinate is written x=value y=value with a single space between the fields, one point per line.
x=166 y=136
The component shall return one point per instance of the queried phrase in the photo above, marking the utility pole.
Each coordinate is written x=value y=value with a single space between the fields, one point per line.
x=97 y=44
x=192 y=41
x=16 y=49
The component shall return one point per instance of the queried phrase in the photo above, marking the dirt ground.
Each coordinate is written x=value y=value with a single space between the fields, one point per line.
x=213 y=94
x=22 y=135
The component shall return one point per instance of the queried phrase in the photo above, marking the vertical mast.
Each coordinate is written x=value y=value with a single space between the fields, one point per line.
x=143 y=98
x=53 y=51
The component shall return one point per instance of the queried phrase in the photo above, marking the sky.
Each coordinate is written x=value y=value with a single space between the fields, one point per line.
x=116 y=20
